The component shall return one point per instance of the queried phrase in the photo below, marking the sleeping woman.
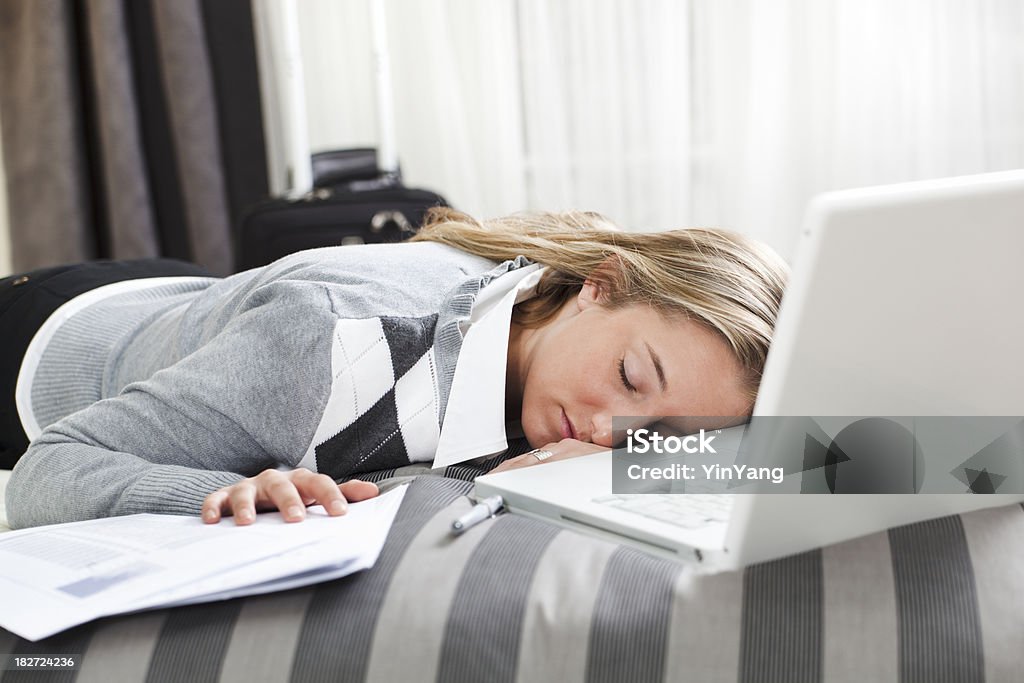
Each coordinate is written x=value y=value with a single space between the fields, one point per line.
x=147 y=386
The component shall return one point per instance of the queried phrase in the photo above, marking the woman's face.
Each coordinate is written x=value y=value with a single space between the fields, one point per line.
x=590 y=363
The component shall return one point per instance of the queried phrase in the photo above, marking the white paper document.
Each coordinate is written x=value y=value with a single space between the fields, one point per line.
x=59 y=576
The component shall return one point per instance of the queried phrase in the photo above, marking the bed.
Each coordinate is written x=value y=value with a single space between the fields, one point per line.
x=521 y=600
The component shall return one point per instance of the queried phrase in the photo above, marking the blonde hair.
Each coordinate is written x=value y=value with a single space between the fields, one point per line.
x=727 y=282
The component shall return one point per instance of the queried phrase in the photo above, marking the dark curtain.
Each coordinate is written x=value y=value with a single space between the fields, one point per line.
x=131 y=128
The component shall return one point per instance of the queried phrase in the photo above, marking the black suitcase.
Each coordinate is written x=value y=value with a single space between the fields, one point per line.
x=352 y=213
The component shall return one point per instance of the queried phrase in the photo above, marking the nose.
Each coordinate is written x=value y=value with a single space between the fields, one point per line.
x=603 y=434
x=601 y=430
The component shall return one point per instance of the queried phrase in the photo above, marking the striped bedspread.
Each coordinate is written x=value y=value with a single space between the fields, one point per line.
x=520 y=600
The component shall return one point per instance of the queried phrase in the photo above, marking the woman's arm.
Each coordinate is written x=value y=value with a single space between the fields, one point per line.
x=247 y=400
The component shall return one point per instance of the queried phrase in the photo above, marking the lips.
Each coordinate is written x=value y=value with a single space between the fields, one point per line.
x=568 y=432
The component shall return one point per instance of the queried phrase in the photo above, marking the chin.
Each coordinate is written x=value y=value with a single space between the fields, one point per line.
x=535 y=437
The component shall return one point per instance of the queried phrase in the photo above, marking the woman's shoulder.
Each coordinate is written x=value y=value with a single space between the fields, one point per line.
x=369 y=261
x=361 y=280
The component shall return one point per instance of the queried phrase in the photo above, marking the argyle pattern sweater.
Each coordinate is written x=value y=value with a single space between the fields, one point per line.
x=340 y=360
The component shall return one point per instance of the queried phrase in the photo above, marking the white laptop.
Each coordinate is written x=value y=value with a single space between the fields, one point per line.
x=905 y=300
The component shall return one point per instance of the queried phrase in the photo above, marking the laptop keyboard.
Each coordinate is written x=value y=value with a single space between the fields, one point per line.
x=689 y=511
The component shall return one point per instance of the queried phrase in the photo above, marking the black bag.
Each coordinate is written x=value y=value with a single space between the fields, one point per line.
x=354 y=209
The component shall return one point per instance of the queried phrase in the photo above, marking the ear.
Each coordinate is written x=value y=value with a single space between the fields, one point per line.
x=596 y=289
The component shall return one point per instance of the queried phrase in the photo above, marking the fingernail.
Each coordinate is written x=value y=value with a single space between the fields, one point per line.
x=210 y=515
x=338 y=507
x=295 y=512
x=244 y=515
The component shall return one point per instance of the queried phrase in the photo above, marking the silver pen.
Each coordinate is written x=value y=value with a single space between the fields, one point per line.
x=484 y=509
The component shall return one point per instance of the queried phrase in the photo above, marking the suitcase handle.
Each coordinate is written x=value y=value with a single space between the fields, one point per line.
x=382 y=218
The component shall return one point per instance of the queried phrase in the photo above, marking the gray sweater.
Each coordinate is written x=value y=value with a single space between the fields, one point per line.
x=151 y=401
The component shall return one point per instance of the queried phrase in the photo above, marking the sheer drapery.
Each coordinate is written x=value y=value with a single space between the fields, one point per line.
x=664 y=113
x=799 y=96
x=606 y=100
x=507 y=105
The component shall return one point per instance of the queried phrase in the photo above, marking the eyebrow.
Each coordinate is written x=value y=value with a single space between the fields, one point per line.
x=657 y=367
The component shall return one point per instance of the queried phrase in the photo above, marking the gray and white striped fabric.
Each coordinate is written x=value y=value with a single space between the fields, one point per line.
x=516 y=599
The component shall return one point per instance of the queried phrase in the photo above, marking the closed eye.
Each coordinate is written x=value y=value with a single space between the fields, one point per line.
x=625 y=380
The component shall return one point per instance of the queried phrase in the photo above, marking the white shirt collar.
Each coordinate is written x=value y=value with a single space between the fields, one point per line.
x=474 y=419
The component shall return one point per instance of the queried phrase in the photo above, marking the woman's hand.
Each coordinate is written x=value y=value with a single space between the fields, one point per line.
x=288 y=491
x=562 y=450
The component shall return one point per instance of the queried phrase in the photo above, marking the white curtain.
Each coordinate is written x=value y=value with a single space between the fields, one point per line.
x=606 y=102
x=506 y=105
x=663 y=113
x=458 y=107
x=456 y=93
x=799 y=96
